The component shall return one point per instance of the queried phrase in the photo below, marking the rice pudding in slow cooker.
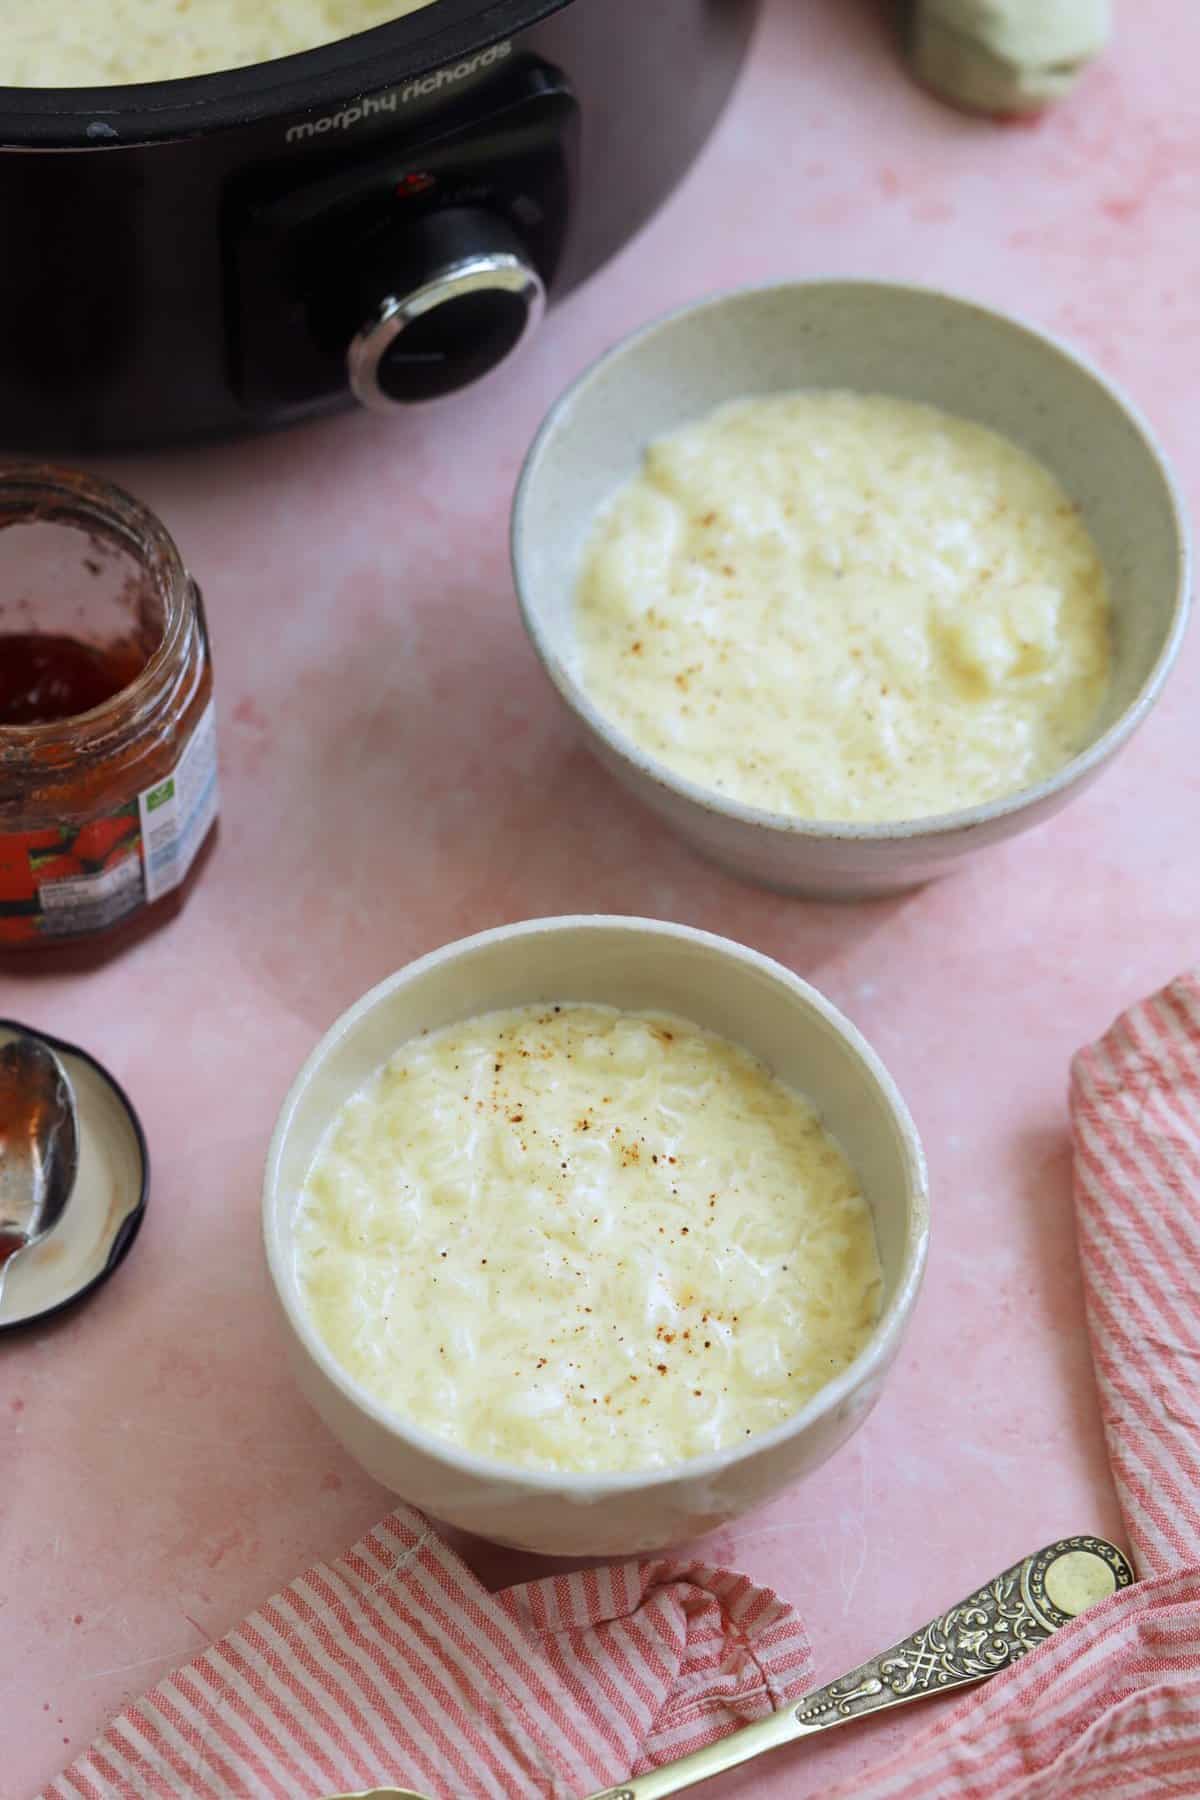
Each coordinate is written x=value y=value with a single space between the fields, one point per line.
x=77 y=44
x=845 y=607
x=576 y=1238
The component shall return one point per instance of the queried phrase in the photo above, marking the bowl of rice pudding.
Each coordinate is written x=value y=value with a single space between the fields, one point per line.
x=590 y=1234
x=846 y=579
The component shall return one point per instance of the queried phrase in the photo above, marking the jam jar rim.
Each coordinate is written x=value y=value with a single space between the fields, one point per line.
x=49 y=492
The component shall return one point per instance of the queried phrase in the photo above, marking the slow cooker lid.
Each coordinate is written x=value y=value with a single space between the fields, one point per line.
x=104 y=117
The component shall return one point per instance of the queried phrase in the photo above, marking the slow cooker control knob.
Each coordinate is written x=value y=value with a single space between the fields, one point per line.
x=443 y=303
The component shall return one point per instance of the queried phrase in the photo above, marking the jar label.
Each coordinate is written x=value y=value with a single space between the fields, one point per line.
x=70 y=880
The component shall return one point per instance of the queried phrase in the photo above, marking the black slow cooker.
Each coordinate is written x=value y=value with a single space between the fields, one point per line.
x=382 y=218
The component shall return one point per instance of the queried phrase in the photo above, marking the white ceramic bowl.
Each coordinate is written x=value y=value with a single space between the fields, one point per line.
x=876 y=338
x=630 y=963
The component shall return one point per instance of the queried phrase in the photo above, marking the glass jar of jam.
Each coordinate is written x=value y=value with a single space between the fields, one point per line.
x=108 y=769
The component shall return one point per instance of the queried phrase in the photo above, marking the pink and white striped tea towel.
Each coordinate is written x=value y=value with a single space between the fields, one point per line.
x=395 y=1664
x=1109 y=1707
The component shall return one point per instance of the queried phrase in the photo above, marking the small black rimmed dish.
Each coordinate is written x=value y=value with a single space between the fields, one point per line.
x=107 y=1205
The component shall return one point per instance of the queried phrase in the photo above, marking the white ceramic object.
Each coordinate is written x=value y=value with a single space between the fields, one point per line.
x=629 y=963
x=108 y=1201
x=877 y=338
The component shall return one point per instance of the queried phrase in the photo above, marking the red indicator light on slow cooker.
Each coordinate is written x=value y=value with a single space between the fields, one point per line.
x=416 y=183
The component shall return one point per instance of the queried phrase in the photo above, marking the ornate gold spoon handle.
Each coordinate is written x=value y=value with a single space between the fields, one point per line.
x=980 y=1636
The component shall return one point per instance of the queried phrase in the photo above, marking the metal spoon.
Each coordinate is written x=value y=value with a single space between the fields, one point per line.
x=986 y=1632
x=39 y=1145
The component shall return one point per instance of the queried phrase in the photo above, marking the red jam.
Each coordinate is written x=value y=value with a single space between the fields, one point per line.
x=108 y=769
x=45 y=678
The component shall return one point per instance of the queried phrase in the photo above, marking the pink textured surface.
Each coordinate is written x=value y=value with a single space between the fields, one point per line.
x=396 y=774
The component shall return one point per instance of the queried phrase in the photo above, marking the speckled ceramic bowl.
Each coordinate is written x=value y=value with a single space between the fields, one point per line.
x=636 y=963
x=878 y=338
